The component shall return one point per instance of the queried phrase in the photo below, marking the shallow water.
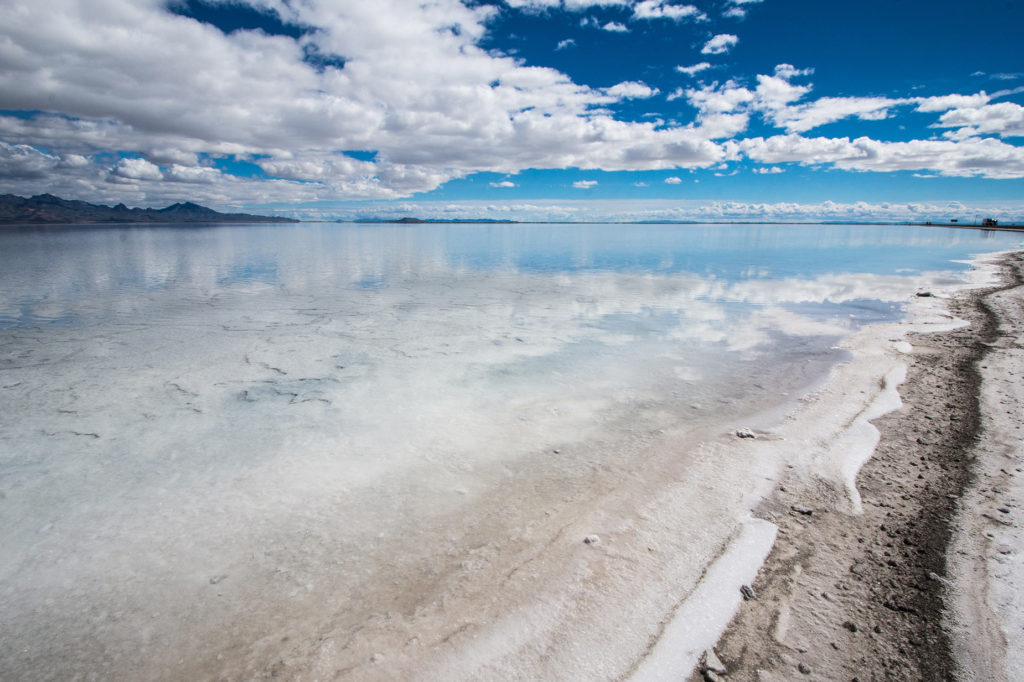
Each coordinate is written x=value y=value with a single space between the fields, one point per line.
x=217 y=439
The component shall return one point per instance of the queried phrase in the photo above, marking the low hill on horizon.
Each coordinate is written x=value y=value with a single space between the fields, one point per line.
x=46 y=209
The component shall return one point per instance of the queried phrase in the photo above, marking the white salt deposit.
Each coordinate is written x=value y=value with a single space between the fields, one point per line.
x=699 y=622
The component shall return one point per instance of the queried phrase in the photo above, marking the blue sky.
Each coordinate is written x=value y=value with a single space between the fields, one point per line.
x=523 y=109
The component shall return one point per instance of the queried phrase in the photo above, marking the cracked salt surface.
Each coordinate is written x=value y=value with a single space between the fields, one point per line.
x=226 y=453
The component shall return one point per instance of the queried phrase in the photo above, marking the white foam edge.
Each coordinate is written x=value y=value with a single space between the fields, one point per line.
x=705 y=614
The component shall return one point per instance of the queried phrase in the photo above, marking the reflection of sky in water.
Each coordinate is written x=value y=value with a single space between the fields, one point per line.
x=95 y=273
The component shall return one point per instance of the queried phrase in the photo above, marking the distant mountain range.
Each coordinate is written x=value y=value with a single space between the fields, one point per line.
x=48 y=209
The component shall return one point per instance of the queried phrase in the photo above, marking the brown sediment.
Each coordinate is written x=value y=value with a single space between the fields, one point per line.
x=861 y=597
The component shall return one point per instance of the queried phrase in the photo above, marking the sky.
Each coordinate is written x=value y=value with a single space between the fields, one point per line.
x=520 y=109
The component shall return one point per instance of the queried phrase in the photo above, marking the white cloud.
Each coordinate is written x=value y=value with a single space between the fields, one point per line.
x=663 y=9
x=787 y=71
x=726 y=98
x=591 y=209
x=24 y=162
x=564 y=44
x=803 y=117
x=971 y=157
x=503 y=183
x=128 y=75
x=774 y=94
x=569 y=5
x=694 y=68
x=631 y=90
x=720 y=44
x=777 y=100
x=674 y=180
x=1005 y=119
x=615 y=27
x=947 y=102
x=769 y=170
x=136 y=169
x=191 y=174
x=584 y=184
x=132 y=76
x=736 y=10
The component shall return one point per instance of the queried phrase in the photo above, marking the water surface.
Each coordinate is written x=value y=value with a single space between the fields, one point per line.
x=215 y=437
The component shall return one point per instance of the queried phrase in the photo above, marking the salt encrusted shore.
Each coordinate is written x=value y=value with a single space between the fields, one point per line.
x=921 y=585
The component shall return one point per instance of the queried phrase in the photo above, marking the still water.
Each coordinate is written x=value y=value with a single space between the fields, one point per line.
x=219 y=439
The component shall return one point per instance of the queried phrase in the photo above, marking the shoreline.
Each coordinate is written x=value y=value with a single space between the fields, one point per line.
x=864 y=597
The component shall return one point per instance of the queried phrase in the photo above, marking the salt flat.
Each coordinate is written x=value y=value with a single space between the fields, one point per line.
x=372 y=453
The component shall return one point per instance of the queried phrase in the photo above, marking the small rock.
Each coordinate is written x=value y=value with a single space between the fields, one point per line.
x=217 y=578
x=745 y=433
x=877 y=629
x=800 y=509
x=709 y=662
x=850 y=625
x=925 y=294
x=1004 y=549
x=1004 y=510
x=748 y=592
x=591 y=540
x=804 y=669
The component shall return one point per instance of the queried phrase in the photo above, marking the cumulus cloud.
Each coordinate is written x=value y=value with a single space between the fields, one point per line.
x=565 y=44
x=663 y=9
x=416 y=87
x=24 y=162
x=591 y=209
x=615 y=27
x=966 y=158
x=192 y=174
x=1005 y=119
x=788 y=71
x=674 y=180
x=737 y=9
x=136 y=77
x=584 y=184
x=777 y=100
x=693 y=69
x=631 y=90
x=947 y=102
x=503 y=183
x=720 y=44
x=136 y=169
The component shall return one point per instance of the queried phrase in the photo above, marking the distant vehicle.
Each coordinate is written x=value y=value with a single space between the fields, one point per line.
x=989 y=222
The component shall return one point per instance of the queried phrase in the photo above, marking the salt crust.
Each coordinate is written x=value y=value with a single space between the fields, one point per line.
x=827 y=440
